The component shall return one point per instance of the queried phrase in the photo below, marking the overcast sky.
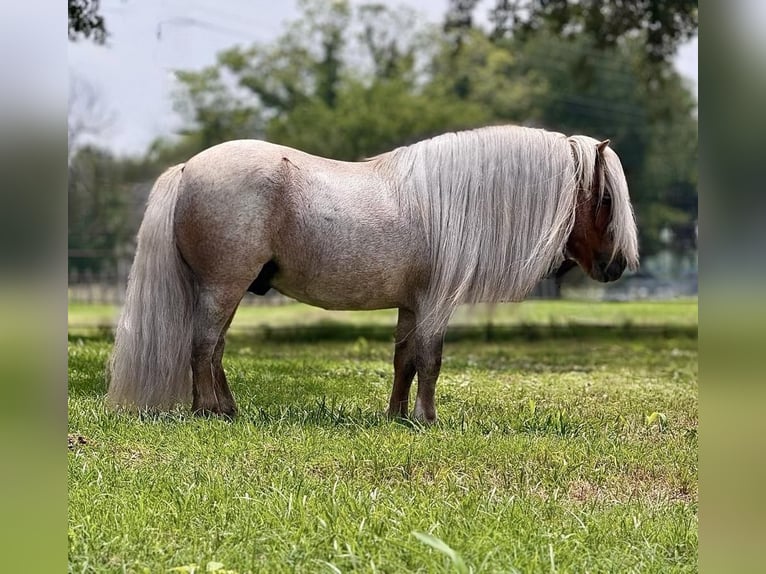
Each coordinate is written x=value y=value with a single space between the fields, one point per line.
x=132 y=76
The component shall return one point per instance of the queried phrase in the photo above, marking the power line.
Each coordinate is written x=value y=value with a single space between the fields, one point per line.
x=216 y=18
x=196 y=23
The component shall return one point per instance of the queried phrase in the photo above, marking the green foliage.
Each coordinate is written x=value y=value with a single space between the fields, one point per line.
x=216 y=113
x=98 y=201
x=317 y=96
x=367 y=120
x=495 y=78
x=579 y=453
x=106 y=197
x=660 y=24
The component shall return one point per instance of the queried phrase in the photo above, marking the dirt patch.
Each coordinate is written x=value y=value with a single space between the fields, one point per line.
x=639 y=485
x=76 y=440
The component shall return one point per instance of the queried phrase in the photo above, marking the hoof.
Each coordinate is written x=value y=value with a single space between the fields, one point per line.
x=426 y=418
x=397 y=414
x=215 y=411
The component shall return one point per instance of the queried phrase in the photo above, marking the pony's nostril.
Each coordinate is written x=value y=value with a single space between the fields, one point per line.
x=615 y=268
x=609 y=269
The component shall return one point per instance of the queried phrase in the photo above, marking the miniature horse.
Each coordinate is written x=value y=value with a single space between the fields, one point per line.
x=479 y=215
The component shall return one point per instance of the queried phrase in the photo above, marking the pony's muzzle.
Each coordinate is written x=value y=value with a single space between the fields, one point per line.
x=606 y=269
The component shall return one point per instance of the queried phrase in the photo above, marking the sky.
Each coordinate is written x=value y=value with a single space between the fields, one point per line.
x=131 y=81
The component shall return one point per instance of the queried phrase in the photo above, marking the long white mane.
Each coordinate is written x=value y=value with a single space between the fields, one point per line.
x=497 y=205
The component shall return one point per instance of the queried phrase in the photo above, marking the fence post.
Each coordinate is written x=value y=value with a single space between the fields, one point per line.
x=123 y=269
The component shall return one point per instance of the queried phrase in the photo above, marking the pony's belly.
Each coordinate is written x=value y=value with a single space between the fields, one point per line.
x=357 y=260
x=344 y=293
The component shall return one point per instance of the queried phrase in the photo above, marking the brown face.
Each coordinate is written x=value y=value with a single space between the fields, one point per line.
x=590 y=243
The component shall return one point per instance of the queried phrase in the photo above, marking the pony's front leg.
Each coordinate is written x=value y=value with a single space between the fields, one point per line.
x=404 y=365
x=428 y=362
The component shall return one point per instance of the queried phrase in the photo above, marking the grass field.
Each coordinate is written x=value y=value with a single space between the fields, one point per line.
x=567 y=442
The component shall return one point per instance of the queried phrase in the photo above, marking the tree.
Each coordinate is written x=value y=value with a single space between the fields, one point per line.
x=304 y=63
x=459 y=19
x=85 y=21
x=339 y=82
x=99 y=205
x=661 y=24
x=213 y=110
x=491 y=76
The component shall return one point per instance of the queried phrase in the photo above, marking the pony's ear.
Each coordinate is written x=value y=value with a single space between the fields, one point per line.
x=602 y=146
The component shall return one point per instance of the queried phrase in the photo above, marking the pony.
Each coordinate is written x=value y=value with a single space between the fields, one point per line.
x=471 y=216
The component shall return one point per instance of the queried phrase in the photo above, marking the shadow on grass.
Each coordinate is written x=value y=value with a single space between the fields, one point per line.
x=328 y=331
x=337 y=331
x=328 y=413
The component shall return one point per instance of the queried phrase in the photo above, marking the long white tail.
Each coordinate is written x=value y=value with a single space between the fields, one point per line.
x=150 y=365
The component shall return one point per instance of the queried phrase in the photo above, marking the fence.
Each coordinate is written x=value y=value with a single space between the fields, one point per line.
x=97 y=277
x=99 y=280
x=102 y=281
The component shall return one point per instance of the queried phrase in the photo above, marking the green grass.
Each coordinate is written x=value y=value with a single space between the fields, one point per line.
x=658 y=313
x=561 y=447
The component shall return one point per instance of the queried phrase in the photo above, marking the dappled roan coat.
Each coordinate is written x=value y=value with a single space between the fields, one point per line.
x=471 y=216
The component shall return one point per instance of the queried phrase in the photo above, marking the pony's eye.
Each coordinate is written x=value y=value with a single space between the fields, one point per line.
x=606 y=199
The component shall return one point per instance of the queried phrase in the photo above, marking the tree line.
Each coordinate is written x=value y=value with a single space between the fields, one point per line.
x=351 y=81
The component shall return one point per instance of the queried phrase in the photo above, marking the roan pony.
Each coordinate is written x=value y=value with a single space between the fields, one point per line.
x=479 y=215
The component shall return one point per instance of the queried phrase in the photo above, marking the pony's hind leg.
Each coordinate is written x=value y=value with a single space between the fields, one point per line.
x=215 y=308
x=404 y=365
x=225 y=398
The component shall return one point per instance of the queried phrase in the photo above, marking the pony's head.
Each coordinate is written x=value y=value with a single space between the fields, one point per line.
x=603 y=240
